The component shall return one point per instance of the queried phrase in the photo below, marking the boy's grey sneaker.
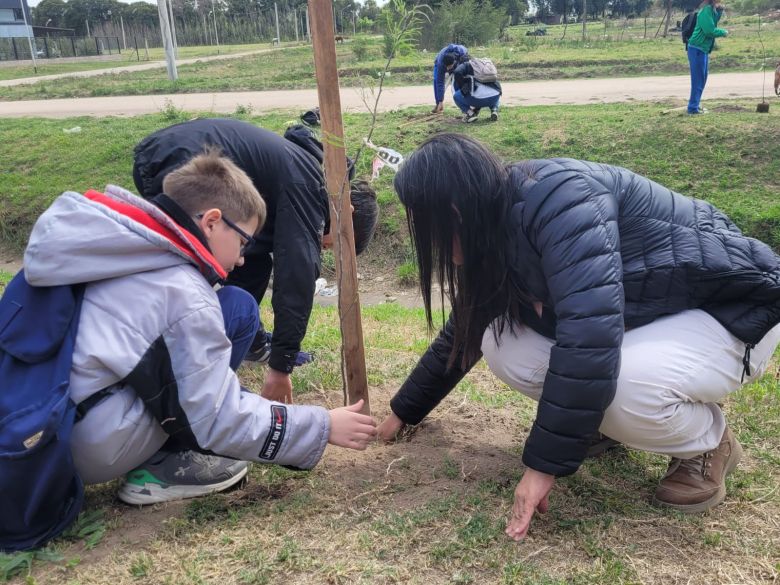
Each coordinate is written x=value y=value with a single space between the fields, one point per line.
x=494 y=114
x=470 y=116
x=166 y=477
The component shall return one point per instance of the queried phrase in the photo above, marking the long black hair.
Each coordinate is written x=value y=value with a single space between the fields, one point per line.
x=453 y=186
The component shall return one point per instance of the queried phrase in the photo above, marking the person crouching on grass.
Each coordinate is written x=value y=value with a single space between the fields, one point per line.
x=157 y=348
x=617 y=304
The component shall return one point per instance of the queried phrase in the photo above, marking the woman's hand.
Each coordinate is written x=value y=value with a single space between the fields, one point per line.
x=351 y=429
x=389 y=428
x=530 y=494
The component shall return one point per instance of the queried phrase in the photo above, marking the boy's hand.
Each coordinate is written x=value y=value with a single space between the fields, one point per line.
x=277 y=386
x=389 y=428
x=530 y=494
x=349 y=428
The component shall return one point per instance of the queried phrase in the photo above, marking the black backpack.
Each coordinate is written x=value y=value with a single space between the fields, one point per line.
x=688 y=26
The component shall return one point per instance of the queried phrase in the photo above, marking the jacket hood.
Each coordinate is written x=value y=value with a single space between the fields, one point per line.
x=97 y=236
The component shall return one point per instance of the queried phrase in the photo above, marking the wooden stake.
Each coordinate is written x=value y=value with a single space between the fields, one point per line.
x=324 y=44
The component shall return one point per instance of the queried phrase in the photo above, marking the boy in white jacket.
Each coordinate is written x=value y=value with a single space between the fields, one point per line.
x=157 y=347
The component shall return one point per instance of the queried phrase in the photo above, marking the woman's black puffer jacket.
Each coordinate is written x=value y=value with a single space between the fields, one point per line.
x=605 y=249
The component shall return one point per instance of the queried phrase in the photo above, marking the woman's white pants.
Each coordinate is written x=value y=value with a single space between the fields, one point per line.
x=673 y=372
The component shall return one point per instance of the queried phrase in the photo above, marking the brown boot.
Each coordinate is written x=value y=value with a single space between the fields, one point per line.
x=698 y=484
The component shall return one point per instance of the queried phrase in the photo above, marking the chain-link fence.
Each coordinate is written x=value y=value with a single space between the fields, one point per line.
x=54 y=47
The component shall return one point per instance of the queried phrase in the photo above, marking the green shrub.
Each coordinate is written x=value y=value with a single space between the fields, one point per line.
x=407 y=274
x=360 y=48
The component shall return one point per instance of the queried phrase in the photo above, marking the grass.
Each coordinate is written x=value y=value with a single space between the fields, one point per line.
x=11 y=70
x=728 y=157
x=518 y=58
x=432 y=510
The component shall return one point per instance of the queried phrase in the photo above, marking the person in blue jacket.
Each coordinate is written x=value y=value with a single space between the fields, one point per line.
x=446 y=61
x=620 y=306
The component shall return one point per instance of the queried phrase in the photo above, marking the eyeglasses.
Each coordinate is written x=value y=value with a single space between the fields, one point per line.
x=248 y=240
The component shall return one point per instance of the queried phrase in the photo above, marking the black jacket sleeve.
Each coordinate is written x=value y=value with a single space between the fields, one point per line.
x=463 y=75
x=300 y=214
x=573 y=226
x=430 y=381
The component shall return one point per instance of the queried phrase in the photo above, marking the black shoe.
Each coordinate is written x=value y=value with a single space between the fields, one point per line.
x=494 y=114
x=260 y=352
x=470 y=116
x=600 y=444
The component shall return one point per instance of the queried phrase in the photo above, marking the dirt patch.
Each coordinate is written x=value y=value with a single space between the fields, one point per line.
x=445 y=453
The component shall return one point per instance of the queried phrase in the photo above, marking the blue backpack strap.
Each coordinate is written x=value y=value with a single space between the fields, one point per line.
x=42 y=493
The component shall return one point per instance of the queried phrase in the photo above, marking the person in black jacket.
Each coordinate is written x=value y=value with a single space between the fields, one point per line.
x=618 y=304
x=288 y=174
x=471 y=95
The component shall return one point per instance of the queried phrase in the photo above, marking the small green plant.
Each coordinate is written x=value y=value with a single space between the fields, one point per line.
x=89 y=526
x=244 y=110
x=713 y=538
x=328 y=262
x=360 y=48
x=13 y=564
x=450 y=468
x=170 y=111
x=141 y=566
x=407 y=274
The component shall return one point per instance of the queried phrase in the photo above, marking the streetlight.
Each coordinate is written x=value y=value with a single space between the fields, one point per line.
x=216 y=34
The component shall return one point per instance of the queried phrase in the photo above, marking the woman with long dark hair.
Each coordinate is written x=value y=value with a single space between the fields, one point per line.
x=619 y=305
x=699 y=48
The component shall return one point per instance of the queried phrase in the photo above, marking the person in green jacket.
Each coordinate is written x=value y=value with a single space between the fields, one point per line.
x=699 y=48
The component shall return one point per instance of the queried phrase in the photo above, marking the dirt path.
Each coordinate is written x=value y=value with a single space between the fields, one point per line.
x=124 y=68
x=570 y=91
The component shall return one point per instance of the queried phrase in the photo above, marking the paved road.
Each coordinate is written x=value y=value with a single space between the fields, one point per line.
x=570 y=91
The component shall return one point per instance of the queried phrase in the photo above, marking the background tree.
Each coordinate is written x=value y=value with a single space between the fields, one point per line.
x=51 y=11
x=466 y=22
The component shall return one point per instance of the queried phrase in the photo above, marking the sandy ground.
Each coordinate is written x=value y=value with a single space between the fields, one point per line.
x=570 y=91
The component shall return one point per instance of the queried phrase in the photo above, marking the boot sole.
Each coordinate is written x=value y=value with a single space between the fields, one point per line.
x=720 y=495
x=152 y=493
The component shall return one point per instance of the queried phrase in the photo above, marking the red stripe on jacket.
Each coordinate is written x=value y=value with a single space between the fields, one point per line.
x=140 y=216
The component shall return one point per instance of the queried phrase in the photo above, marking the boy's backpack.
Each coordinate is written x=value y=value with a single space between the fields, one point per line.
x=688 y=26
x=41 y=492
x=484 y=69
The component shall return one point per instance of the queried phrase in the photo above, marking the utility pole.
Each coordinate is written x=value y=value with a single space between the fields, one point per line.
x=216 y=34
x=584 y=17
x=173 y=29
x=124 y=40
x=165 y=30
x=295 y=20
x=29 y=36
x=308 y=27
x=87 y=21
x=278 y=36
